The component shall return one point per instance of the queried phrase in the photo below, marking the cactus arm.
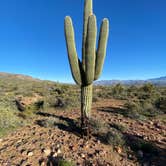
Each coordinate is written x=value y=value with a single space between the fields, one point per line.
x=87 y=12
x=72 y=53
x=101 y=50
x=90 y=50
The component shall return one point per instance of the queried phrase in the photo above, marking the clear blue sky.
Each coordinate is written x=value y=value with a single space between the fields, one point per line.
x=32 y=37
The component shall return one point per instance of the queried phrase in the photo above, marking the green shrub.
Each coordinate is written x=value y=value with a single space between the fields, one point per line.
x=118 y=127
x=8 y=121
x=148 y=109
x=115 y=138
x=48 y=123
x=119 y=91
x=97 y=125
x=132 y=110
x=161 y=104
x=65 y=163
x=148 y=88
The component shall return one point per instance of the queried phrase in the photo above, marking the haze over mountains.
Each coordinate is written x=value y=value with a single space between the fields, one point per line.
x=161 y=81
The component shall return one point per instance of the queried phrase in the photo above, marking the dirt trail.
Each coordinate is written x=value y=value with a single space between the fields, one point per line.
x=35 y=145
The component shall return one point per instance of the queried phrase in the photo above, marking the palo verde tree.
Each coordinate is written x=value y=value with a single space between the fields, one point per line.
x=89 y=69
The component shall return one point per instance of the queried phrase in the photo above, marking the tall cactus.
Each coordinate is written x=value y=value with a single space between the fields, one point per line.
x=89 y=69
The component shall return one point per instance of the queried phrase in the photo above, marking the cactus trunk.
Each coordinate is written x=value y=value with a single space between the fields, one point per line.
x=86 y=99
x=86 y=103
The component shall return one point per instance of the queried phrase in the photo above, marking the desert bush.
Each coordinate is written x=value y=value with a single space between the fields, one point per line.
x=115 y=138
x=132 y=110
x=39 y=105
x=63 y=101
x=8 y=103
x=139 y=144
x=160 y=103
x=97 y=126
x=148 y=108
x=102 y=92
x=65 y=163
x=117 y=89
x=47 y=123
x=8 y=118
x=148 y=88
x=141 y=109
x=119 y=127
x=9 y=121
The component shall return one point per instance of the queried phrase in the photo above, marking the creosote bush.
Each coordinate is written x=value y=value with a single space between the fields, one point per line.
x=115 y=138
x=9 y=121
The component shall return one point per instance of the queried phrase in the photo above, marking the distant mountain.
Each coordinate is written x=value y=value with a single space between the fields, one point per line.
x=9 y=76
x=158 y=79
x=161 y=81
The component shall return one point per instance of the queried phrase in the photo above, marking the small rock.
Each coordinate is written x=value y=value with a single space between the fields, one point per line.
x=30 y=153
x=82 y=155
x=23 y=152
x=98 y=142
x=47 y=152
x=119 y=150
x=130 y=157
x=1 y=140
x=58 y=151
x=58 y=146
x=43 y=163
x=151 y=122
x=55 y=154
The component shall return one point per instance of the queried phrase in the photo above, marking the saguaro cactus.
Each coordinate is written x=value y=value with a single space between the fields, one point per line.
x=89 y=69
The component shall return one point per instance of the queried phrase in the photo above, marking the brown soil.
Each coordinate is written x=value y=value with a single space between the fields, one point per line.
x=36 y=145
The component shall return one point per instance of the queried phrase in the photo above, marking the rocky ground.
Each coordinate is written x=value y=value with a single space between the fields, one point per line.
x=55 y=135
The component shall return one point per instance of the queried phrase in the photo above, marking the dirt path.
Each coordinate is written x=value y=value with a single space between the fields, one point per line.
x=40 y=143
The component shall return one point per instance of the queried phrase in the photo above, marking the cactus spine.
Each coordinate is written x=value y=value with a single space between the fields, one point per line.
x=89 y=69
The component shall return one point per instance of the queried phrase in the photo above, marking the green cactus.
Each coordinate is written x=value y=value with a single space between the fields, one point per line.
x=89 y=69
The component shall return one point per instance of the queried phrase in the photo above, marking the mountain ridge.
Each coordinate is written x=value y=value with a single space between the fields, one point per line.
x=161 y=81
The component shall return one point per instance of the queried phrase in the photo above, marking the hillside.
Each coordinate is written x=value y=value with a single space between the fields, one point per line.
x=40 y=124
x=4 y=75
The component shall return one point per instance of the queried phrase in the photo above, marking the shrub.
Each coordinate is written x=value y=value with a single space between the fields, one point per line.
x=65 y=163
x=148 y=108
x=118 y=91
x=132 y=110
x=160 y=103
x=97 y=125
x=115 y=138
x=8 y=121
x=148 y=88
x=50 y=122
x=119 y=127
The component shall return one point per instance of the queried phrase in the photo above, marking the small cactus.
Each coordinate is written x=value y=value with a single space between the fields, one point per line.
x=89 y=69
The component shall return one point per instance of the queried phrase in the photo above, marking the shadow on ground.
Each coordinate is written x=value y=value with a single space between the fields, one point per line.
x=113 y=110
x=145 y=152
x=69 y=124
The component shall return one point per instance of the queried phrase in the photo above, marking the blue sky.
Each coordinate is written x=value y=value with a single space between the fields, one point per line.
x=32 y=37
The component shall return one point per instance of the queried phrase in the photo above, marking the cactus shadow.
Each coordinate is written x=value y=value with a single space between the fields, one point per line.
x=146 y=152
x=113 y=110
x=64 y=123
